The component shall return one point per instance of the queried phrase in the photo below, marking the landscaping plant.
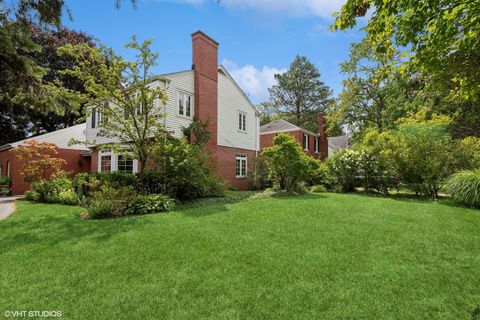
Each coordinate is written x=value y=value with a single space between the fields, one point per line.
x=464 y=187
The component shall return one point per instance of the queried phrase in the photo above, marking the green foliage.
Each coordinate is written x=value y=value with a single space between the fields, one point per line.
x=344 y=165
x=183 y=171
x=121 y=92
x=318 y=189
x=4 y=180
x=111 y=201
x=85 y=184
x=442 y=36
x=258 y=178
x=197 y=132
x=464 y=187
x=151 y=203
x=56 y=190
x=288 y=164
x=299 y=94
x=320 y=174
x=467 y=153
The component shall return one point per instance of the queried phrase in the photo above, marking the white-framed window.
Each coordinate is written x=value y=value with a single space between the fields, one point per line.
x=96 y=118
x=242 y=121
x=125 y=164
x=315 y=146
x=8 y=169
x=108 y=161
x=305 y=141
x=105 y=159
x=241 y=166
x=184 y=104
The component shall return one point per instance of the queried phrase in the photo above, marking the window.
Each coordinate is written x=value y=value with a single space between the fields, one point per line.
x=125 y=164
x=305 y=141
x=184 y=104
x=242 y=121
x=105 y=161
x=8 y=168
x=241 y=166
x=315 y=146
x=94 y=118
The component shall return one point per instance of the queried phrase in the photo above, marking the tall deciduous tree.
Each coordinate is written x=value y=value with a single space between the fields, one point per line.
x=299 y=94
x=122 y=92
x=443 y=36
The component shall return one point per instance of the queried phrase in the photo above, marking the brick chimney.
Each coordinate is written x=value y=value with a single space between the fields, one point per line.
x=322 y=136
x=205 y=66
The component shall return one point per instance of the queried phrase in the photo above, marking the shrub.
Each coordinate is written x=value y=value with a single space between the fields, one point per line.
x=32 y=195
x=320 y=174
x=318 y=189
x=182 y=170
x=85 y=184
x=258 y=178
x=464 y=187
x=344 y=165
x=287 y=162
x=56 y=190
x=150 y=203
x=111 y=201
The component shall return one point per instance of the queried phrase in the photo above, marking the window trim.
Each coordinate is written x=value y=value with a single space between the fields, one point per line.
x=8 y=169
x=192 y=104
x=241 y=157
x=316 y=144
x=113 y=161
x=306 y=141
x=242 y=115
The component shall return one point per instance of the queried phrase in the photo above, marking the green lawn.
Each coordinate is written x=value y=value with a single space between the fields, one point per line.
x=329 y=256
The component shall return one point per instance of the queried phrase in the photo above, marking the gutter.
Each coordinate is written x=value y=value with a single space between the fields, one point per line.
x=6 y=147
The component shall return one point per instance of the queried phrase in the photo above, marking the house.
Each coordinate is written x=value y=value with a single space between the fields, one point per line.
x=206 y=92
x=314 y=144
x=77 y=160
x=337 y=143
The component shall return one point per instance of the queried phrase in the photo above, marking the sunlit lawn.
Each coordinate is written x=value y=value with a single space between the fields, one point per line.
x=328 y=256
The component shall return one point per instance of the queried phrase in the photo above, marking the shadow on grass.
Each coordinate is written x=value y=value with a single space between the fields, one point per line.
x=51 y=229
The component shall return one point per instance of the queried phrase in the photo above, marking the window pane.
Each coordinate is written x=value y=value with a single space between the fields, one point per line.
x=244 y=122
x=105 y=163
x=94 y=117
x=188 y=107
x=180 y=103
x=237 y=170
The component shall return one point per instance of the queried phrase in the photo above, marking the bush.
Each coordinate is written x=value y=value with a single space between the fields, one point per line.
x=258 y=178
x=56 y=190
x=85 y=184
x=182 y=170
x=344 y=165
x=288 y=164
x=150 y=203
x=464 y=187
x=111 y=201
x=318 y=189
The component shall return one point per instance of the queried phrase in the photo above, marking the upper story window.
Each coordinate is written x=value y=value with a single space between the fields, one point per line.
x=242 y=121
x=305 y=141
x=241 y=166
x=96 y=118
x=185 y=104
x=315 y=146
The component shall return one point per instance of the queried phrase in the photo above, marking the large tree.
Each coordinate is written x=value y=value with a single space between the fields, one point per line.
x=442 y=35
x=122 y=92
x=299 y=94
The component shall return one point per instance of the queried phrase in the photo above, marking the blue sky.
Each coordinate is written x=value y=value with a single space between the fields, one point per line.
x=257 y=37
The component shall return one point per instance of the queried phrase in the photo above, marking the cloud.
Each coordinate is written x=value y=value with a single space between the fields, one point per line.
x=254 y=82
x=290 y=8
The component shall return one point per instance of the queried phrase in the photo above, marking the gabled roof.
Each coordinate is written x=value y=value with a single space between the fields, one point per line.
x=282 y=126
x=60 y=137
x=338 y=142
x=223 y=70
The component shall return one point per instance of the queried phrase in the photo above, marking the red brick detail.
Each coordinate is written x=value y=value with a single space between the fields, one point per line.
x=75 y=164
x=266 y=140
x=205 y=65
x=226 y=165
x=322 y=136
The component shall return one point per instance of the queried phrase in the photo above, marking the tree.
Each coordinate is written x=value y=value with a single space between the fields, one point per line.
x=41 y=160
x=442 y=35
x=268 y=112
x=122 y=93
x=299 y=94
x=287 y=162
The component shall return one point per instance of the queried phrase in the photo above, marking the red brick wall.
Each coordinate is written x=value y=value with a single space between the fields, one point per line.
x=205 y=64
x=266 y=140
x=75 y=164
x=226 y=165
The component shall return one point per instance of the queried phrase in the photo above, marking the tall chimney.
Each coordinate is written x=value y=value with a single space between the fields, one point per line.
x=205 y=66
x=322 y=136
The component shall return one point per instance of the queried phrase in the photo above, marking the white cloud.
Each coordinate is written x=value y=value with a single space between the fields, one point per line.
x=290 y=8
x=254 y=82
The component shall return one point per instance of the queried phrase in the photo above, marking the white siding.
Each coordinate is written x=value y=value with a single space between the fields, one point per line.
x=231 y=101
x=183 y=81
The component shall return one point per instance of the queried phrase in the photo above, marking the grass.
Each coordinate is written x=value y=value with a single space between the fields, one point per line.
x=331 y=256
